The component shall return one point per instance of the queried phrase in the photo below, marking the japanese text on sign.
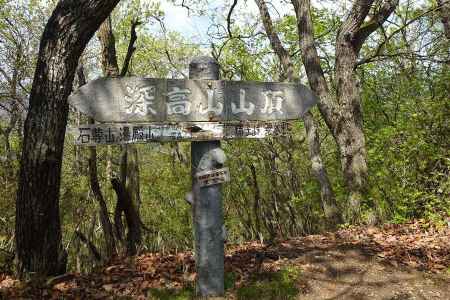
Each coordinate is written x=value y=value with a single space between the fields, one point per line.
x=137 y=100
x=212 y=177
x=98 y=134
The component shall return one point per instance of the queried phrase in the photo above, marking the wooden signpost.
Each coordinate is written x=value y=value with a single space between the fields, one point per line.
x=203 y=110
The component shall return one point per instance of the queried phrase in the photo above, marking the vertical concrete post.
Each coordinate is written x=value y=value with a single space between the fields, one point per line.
x=207 y=206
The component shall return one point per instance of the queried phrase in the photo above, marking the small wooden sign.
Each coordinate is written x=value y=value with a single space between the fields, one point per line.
x=104 y=134
x=138 y=99
x=213 y=177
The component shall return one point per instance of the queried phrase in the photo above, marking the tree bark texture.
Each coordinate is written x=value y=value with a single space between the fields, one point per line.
x=343 y=113
x=328 y=198
x=38 y=229
x=108 y=47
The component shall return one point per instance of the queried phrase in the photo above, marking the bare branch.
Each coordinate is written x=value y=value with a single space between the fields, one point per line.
x=169 y=57
x=380 y=47
x=229 y=17
x=280 y=51
x=131 y=48
x=407 y=55
x=89 y=244
x=187 y=7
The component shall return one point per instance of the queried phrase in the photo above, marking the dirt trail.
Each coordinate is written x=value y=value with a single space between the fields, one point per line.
x=352 y=273
x=410 y=261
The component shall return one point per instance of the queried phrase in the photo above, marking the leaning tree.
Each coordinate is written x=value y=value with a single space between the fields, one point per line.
x=38 y=229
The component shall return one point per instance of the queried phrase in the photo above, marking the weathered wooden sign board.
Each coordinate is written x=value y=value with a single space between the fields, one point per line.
x=130 y=133
x=138 y=99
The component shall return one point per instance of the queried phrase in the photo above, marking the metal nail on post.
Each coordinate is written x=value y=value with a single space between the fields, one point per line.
x=207 y=206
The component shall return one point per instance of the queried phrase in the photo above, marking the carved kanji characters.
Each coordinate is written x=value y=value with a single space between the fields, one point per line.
x=273 y=102
x=178 y=102
x=140 y=100
x=212 y=107
x=242 y=108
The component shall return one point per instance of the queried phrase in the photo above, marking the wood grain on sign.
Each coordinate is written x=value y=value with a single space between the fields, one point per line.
x=137 y=99
x=212 y=177
x=107 y=134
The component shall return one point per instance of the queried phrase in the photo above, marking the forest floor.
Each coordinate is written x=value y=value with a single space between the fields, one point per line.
x=392 y=262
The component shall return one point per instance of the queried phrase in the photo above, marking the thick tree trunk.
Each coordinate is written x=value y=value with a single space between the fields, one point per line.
x=38 y=228
x=328 y=198
x=350 y=137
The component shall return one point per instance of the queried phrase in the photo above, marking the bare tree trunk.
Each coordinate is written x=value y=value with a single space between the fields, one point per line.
x=38 y=228
x=128 y=204
x=133 y=183
x=6 y=132
x=329 y=205
x=14 y=111
x=257 y=200
x=95 y=188
x=134 y=234
x=328 y=198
